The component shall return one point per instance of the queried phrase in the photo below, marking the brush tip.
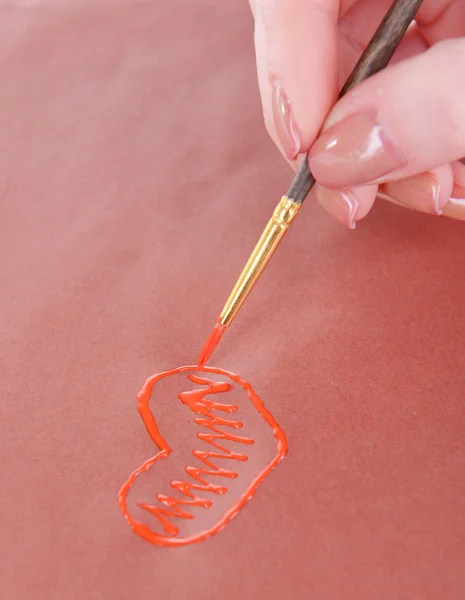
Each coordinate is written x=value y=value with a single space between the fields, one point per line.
x=211 y=343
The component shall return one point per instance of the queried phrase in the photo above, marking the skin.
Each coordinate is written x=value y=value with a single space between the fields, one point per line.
x=311 y=46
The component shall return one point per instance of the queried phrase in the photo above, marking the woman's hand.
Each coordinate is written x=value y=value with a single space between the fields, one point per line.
x=400 y=134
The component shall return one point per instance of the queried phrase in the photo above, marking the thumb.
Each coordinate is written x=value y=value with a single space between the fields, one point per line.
x=405 y=120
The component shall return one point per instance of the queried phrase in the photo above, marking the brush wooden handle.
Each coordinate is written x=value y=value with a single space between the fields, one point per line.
x=376 y=56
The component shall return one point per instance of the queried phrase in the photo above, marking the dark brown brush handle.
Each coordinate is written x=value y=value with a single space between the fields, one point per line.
x=376 y=56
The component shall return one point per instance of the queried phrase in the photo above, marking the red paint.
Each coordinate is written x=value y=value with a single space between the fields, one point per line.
x=211 y=343
x=190 y=492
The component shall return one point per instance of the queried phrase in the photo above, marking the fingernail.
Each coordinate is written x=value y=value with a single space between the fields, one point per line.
x=284 y=123
x=297 y=161
x=421 y=192
x=455 y=208
x=340 y=205
x=356 y=151
x=384 y=196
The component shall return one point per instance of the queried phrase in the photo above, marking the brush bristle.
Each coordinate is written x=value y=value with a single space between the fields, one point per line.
x=211 y=343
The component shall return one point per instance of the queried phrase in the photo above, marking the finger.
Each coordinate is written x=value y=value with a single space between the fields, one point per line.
x=455 y=208
x=356 y=29
x=458 y=168
x=441 y=19
x=347 y=206
x=405 y=120
x=426 y=192
x=296 y=50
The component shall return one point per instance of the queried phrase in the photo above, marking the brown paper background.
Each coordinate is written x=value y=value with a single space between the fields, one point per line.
x=136 y=175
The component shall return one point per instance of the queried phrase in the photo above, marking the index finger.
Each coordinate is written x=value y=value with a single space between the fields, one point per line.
x=296 y=50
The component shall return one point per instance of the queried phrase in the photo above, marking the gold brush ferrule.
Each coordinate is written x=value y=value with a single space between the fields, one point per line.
x=283 y=215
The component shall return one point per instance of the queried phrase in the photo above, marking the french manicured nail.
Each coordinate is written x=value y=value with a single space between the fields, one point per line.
x=421 y=192
x=284 y=123
x=455 y=208
x=340 y=205
x=355 y=151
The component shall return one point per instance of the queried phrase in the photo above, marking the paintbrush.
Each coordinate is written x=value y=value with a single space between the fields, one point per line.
x=375 y=57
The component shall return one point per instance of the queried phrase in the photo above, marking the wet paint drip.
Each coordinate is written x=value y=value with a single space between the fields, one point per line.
x=191 y=493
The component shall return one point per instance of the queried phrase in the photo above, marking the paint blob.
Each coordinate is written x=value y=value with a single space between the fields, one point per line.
x=211 y=470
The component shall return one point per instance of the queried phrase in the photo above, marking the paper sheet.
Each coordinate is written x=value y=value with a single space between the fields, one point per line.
x=136 y=177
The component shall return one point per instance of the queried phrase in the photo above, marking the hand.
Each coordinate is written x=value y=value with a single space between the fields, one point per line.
x=400 y=134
